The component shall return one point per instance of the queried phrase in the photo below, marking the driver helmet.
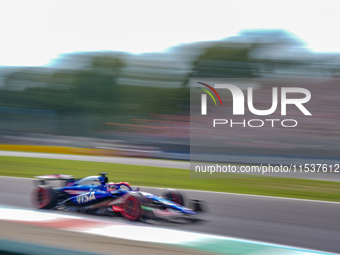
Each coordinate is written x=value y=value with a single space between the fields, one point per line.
x=111 y=186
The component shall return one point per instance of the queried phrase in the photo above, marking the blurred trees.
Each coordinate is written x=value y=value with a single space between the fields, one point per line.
x=224 y=60
x=106 y=85
x=96 y=88
x=63 y=90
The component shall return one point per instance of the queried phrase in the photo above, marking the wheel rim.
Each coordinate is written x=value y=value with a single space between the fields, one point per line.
x=176 y=198
x=131 y=210
x=42 y=198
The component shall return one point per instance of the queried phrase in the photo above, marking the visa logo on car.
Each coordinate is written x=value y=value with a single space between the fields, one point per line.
x=85 y=198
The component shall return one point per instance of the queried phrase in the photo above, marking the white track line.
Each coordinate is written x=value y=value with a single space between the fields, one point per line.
x=129 y=231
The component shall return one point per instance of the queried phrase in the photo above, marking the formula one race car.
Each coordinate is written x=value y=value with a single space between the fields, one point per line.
x=95 y=195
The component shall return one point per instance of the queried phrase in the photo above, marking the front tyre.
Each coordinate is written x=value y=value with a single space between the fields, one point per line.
x=174 y=196
x=44 y=197
x=132 y=208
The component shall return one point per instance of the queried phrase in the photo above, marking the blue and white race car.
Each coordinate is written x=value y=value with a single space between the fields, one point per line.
x=95 y=195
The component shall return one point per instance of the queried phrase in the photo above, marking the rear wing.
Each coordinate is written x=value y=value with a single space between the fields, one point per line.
x=42 y=179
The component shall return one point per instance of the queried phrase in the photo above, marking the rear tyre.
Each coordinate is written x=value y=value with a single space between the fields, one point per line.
x=132 y=208
x=44 y=197
x=174 y=196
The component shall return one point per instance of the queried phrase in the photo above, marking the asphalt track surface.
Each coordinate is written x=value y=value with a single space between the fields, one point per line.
x=294 y=222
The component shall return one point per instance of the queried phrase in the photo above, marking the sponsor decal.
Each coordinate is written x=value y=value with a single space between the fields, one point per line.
x=165 y=212
x=117 y=208
x=85 y=198
x=146 y=208
x=76 y=192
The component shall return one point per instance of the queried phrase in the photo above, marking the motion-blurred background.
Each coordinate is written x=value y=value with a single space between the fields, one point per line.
x=137 y=104
x=113 y=78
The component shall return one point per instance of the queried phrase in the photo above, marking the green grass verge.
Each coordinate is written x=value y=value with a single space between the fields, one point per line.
x=174 y=178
